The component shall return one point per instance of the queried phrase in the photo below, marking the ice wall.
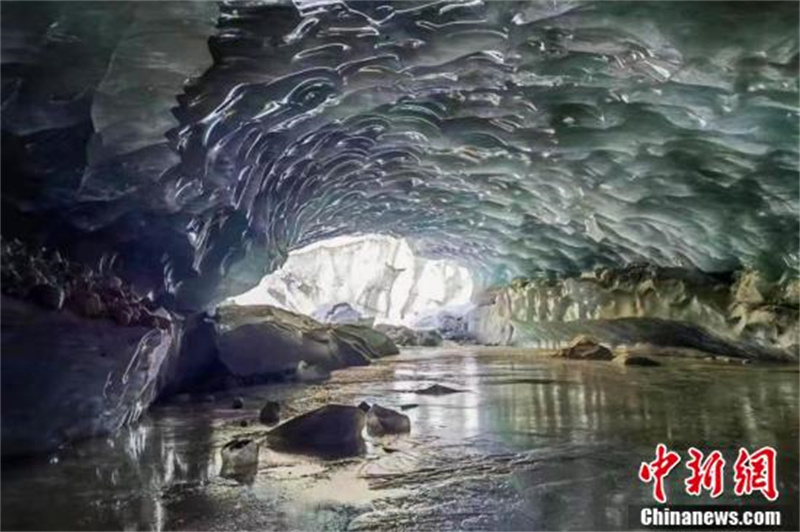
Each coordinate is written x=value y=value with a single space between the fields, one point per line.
x=378 y=275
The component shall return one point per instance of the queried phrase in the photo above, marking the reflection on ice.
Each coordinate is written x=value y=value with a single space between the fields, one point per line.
x=531 y=443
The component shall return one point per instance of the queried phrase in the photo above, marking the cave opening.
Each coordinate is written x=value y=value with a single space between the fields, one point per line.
x=375 y=278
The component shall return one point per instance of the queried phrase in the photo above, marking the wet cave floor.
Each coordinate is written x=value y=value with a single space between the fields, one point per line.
x=531 y=443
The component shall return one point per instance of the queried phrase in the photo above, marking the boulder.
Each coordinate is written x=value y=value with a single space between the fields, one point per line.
x=437 y=389
x=122 y=316
x=269 y=347
x=237 y=403
x=48 y=296
x=261 y=340
x=331 y=429
x=65 y=378
x=406 y=337
x=585 y=348
x=240 y=460
x=636 y=360
x=86 y=304
x=270 y=413
x=399 y=334
x=357 y=344
x=382 y=421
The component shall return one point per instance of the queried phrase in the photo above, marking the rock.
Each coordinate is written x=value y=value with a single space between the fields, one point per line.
x=382 y=421
x=408 y=406
x=585 y=348
x=437 y=389
x=240 y=460
x=48 y=296
x=194 y=365
x=261 y=341
x=86 y=304
x=429 y=338
x=372 y=342
x=66 y=378
x=121 y=315
x=637 y=360
x=364 y=406
x=238 y=403
x=400 y=335
x=331 y=429
x=243 y=423
x=270 y=413
x=404 y=336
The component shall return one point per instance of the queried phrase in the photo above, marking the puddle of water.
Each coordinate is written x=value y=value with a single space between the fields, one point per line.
x=531 y=443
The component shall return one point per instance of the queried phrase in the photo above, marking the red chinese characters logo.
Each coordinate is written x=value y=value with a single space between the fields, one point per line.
x=756 y=472
x=706 y=474
x=658 y=469
x=753 y=472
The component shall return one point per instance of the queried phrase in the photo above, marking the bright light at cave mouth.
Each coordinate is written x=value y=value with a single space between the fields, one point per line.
x=379 y=276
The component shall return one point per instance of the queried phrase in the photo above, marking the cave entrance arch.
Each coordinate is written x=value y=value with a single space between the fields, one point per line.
x=374 y=276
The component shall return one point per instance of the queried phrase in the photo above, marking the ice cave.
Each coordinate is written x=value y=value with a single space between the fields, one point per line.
x=367 y=277
x=398 y=264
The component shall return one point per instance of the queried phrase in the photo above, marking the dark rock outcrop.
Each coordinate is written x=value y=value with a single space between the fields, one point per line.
x=262 y=340
x=331 y=429
x=382 y=421
x=636 y=360
x=65 y=378
x=585 y=348
x=437 y=389
x=355 y=342
x=270 y=413
x=48 y=296
x=194 y=365
x=46 y=279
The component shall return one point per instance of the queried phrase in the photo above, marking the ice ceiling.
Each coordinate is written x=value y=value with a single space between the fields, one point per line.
x=201 y=141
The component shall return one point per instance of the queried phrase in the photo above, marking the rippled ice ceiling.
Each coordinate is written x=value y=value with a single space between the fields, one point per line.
x=517 y=137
